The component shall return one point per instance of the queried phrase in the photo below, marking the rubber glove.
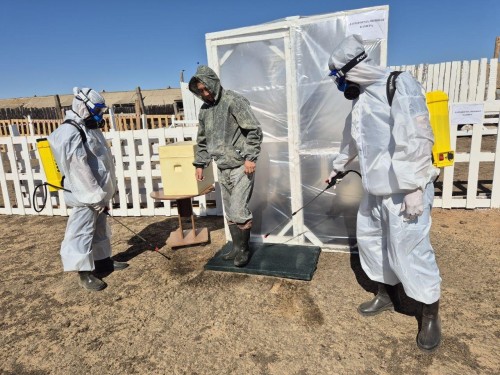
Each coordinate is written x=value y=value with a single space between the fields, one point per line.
x=332 y=175
x=99 y=207
x=413 y=204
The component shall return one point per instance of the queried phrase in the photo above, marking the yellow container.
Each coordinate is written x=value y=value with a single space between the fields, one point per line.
x=178 y=171
x=49 y=164
x=442 y=154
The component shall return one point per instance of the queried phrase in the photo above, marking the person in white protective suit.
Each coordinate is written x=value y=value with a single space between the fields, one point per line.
x=393 y=144
x=86 y=162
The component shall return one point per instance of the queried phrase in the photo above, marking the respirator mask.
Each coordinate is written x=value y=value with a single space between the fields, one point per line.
x=350 y=89
x=96 y=110
x=95 y=120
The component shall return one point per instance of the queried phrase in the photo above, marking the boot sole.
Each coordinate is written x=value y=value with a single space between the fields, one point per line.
x=119 y=268
x=373 y=313
x=241 y=264
x=229 y=256
x=100 y=287
x=432 y=350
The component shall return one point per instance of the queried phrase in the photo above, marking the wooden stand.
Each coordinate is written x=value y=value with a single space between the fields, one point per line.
x=181 y=236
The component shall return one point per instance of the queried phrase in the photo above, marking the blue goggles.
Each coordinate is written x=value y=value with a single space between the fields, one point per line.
x=98 y=110
x=339 y=79
x=339 y=74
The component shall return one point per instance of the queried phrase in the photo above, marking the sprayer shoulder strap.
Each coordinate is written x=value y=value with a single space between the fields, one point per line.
x=78 y=127
x=391 y=86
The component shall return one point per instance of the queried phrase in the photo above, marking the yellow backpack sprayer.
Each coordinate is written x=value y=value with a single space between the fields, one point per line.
x=55 y=180
x=52 y=173
x=437 y=103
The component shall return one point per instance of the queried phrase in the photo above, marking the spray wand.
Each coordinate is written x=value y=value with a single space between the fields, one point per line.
x=332 y=182
x=156 y=249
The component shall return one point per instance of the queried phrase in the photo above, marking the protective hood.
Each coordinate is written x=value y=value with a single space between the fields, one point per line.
x=363 y=73
x=209 y=78
x=350 y=47
x=82 y=95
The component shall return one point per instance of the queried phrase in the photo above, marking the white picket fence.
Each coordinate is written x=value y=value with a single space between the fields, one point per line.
x=138 y=172
x=467 y=82
x=481 y=187
x=463 y=81
x=137 y=169
x=138 y=164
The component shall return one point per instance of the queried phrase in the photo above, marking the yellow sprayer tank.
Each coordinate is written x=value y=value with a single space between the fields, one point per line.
x=442 y=154
x=49 y=164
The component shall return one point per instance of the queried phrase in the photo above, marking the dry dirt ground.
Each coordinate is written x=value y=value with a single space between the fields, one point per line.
x=163 y=316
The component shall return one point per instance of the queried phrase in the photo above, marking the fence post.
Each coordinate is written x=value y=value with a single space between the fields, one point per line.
x=112 y=119
x=144 y=121
x=31 y=127
x=13 y=130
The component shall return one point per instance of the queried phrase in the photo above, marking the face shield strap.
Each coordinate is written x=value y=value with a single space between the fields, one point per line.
x=96 y=110
x=340 y=73
x=84 y=98
x=351 y=64
x=351 y=90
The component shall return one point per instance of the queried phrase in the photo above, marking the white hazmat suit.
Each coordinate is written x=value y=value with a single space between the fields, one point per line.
x=89 y=175
x=393 y=144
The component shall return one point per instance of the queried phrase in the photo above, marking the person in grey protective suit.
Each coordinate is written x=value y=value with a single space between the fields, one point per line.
x=394 y=147
x=229 y=134
x=85 y=161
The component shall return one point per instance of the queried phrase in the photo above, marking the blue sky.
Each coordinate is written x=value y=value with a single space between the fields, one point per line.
x=116 y=45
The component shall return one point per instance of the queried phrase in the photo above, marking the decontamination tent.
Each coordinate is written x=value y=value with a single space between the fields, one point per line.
x=282 y=68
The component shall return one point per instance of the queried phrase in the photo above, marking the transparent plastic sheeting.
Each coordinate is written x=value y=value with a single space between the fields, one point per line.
x=258 y=70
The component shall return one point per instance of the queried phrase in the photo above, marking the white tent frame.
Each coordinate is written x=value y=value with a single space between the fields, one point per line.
x=283 y=29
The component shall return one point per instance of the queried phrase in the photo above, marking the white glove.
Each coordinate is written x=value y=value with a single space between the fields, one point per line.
x=413 y=204
x=332 y=175
x=99 y=207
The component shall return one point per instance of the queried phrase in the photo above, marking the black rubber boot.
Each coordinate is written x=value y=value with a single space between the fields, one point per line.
x=383 y=301
x=90 y=282
x=243 y=256
x=235 y=237
x=429 y=337
x=109 y=265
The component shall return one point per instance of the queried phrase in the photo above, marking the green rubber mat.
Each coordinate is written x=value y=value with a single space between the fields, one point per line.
x=280 y=260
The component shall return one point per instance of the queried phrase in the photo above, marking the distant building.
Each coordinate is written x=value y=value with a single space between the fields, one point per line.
x=155 y=102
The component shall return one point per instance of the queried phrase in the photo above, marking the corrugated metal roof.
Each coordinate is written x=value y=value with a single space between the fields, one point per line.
x=150 y=97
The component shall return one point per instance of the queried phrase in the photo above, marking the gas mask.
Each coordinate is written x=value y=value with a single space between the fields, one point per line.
x=96 y=110
x=92 y=123
x=95 y=120
x=350 y=89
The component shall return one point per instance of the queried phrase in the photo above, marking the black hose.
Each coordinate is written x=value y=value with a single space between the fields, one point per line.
x=45 y=195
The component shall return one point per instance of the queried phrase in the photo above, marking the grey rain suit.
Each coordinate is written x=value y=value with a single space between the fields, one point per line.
x=89 y=173
x=229 y=134
x=393 y=144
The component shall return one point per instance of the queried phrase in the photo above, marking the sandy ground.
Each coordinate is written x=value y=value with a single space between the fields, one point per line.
x=163 y=316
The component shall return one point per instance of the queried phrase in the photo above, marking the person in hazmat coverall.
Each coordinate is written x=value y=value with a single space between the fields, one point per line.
x=393 y=144
x=85 y=161
x=229 y=134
